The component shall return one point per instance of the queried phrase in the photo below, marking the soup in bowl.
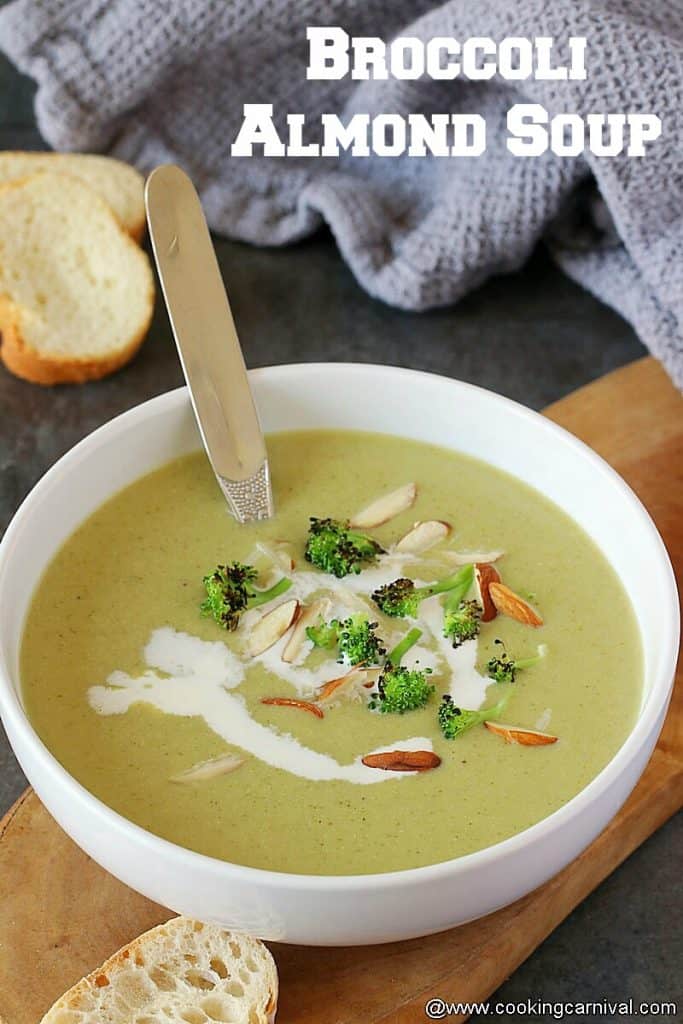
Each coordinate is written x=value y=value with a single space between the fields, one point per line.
x=408 y=699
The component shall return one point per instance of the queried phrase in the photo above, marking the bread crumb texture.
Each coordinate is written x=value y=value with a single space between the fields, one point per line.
x=76 y=293
x=118 y=184
x=183 y=971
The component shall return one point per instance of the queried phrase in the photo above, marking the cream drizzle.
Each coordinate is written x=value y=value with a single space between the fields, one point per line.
x=198 y=675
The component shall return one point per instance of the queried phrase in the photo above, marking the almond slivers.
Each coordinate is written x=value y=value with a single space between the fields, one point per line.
x=403 y=760
x=473 y=557
x=511 y=604
x=279 y=552
x=333 y=688
x=525 y=737
x=308 y=617
x=293 y=702
x=271 y=626
x=385 y=508
x=423 y=536
x=210 y=769
x=486 y=575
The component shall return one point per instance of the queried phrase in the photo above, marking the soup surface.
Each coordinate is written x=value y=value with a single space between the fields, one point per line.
x=130 y=686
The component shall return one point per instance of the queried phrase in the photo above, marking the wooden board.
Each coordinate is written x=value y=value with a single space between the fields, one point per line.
x=61 y=915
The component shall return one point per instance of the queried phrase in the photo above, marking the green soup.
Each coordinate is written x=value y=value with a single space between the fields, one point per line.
x=129 y=686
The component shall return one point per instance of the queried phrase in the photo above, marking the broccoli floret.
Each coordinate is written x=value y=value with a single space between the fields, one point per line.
x=401 y=689
x=337 y=549
x=461 y=618
x=230 y=590
x=454 y=721
x=323 y=634
x=356 y=638
x=401 y=599
x=504 y=669
x=358 y=641
x=462 y=622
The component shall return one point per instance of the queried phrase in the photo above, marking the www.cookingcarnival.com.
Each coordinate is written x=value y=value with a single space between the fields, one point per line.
x=437 y=1008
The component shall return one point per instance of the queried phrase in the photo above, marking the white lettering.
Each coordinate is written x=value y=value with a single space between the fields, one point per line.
x=439 y=49
x=644 y=128
x=515 y=58
x=389 y=135
x=524 y=121
x=471 y=68
x=297 y=146
x=407 y=57
x=428 y=135
x=353 y=136
x=369 y=55
x=328 y=53
x=258 y=129
x=469 y=135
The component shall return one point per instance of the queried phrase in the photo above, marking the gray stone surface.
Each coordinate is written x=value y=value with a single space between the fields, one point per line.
x=533 y=336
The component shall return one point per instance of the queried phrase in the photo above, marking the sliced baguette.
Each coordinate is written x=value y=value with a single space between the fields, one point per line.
x=121 y=186
x=182 y=971
x=76 y=293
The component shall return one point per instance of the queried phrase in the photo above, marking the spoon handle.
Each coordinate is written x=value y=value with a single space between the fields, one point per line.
x=208 y=346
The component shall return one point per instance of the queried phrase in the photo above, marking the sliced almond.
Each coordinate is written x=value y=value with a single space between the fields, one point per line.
x=385 y=508
x=515 y=734
x=423 y=536
x=210 y=769
x=293 y=702
x=403 y=760
x=308 y=617
x=486 y=575
x=469 y=557
x=271 y=626
x=511 y=604
x=279 y=552
x=341 y=685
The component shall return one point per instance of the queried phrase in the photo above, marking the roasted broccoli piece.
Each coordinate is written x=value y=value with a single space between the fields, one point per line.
x=454 y=721
x=401 y=599
x=504 y=669
x=401 y=689
x=335 y=548
x=355 y=637
x=462 y=622
x=461 y=618
x=230 y=590
x=358 y=641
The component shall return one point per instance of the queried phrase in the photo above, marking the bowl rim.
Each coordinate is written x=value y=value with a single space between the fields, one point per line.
x=654 y=704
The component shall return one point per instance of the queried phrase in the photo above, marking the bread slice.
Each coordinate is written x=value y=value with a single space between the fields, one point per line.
x=76 y=293
x=119 y=184
x=182 y=971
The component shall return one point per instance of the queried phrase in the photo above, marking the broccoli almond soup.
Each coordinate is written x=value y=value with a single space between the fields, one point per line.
x=417 y=657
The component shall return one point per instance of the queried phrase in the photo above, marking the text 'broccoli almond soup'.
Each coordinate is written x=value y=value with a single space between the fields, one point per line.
x=417 y=657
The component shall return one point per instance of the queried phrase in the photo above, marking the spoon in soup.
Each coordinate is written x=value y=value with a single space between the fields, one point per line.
x=207 y=342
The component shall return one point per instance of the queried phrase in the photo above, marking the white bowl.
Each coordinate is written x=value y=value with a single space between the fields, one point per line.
x=369 y=908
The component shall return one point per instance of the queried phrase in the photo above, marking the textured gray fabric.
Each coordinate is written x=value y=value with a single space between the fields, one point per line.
x=159 y=80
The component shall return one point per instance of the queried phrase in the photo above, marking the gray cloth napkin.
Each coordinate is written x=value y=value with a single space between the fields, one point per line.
x=165 y=80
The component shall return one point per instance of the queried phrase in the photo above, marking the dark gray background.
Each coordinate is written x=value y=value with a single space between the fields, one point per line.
x=534 y=336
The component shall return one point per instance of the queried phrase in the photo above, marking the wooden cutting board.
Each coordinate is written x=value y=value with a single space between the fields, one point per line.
x=61 y=915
